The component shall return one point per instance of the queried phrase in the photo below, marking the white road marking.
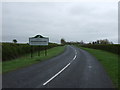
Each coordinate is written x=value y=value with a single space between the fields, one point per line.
x=56 y=74
x=74 y=57
x=75 y=52
x=89 y=67
x=60 y=70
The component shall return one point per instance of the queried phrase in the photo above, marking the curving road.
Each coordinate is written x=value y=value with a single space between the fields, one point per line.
x=75 y=68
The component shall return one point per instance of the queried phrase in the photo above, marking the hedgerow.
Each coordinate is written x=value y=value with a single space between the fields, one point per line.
x=11 y=50
x=114 y=48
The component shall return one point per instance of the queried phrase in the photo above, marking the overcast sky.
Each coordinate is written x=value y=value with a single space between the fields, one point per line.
x=87 y=21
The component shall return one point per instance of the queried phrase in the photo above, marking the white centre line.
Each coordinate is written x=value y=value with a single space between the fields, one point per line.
x=60 y=70
x=74 y=57
x=75 y=52
x=89 y=67
x=56 y=74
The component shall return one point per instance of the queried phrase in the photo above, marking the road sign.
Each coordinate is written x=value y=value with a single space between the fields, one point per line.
x=38 y=40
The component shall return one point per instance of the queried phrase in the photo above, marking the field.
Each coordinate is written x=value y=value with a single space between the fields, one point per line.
x=109 y=61
x=26 y=60
x=12 y=51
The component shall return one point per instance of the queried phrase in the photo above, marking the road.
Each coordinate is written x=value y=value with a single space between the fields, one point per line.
x=75 y=68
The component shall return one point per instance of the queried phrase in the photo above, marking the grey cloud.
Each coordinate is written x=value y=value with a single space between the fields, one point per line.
x=72 y=21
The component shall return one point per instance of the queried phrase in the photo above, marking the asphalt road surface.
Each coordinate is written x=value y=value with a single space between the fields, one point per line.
x=75 y=68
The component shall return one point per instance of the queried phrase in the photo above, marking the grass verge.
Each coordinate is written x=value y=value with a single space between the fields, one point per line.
x=109 y=62
x=26 y=60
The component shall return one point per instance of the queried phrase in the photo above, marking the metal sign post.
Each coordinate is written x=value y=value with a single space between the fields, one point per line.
x=38 y=40
x=31 y=51
x=39 y=51
x=45 y=51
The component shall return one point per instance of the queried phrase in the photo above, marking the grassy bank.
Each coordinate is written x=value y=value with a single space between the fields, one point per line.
x=109 y=62
x=26 y=60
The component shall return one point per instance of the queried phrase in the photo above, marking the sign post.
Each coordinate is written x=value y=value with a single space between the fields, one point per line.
x=45 y=51
x=31 y=51
x=39 y=51
x=38 y=40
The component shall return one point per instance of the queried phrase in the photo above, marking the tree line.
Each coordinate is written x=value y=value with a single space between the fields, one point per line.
x=102 y=41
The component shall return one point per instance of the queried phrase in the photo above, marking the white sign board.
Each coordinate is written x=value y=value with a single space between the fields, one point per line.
x=38 y=41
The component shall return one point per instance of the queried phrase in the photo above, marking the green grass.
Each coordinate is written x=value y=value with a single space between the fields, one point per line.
x=26 y=60
x=109 y=62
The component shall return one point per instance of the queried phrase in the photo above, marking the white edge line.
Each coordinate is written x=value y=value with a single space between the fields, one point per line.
x=56 y=74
